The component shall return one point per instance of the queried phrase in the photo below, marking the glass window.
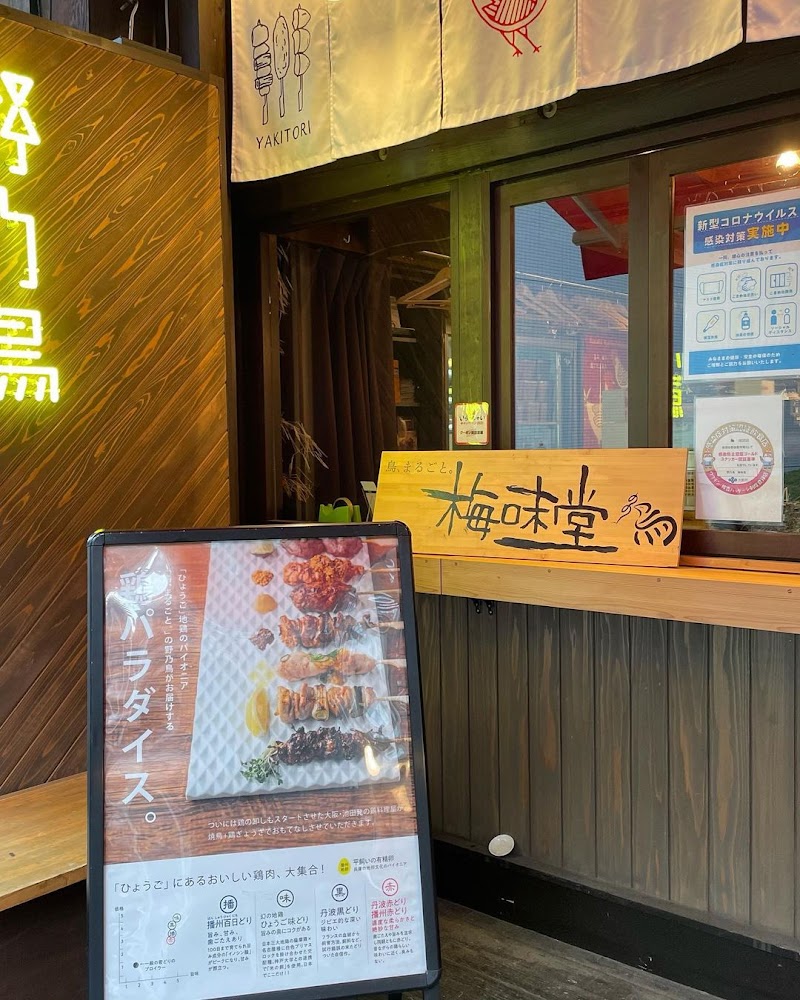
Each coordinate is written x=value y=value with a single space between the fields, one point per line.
x=736 y=342
x=571 y=321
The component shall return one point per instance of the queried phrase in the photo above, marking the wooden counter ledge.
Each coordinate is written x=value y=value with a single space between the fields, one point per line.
x=42 y=839
x=769 y=601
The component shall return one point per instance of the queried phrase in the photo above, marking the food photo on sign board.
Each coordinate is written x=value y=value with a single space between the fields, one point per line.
x=261 y=762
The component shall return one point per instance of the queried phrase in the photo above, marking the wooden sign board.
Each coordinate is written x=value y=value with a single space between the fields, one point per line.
x=618 y=506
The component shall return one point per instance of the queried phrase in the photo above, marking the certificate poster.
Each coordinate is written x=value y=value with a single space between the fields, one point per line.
x=258 y=817
x=739 y=452
x=741 y=260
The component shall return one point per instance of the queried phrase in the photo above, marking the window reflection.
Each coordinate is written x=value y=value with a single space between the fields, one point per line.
x=571 y=322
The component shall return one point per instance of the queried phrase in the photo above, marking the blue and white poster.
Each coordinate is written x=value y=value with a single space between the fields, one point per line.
x=741 y=302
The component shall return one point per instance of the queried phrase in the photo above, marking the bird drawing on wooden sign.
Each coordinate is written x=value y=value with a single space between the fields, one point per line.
x=511 y=18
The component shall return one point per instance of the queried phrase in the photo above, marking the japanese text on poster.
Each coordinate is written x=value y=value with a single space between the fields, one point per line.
x=741 y=298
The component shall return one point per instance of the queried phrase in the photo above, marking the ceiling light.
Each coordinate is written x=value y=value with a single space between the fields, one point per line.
x=788 y=160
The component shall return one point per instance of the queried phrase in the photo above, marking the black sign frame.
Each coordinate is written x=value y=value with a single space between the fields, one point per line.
x=96 y=544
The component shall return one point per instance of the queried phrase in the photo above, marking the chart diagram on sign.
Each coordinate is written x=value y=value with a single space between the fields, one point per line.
x=742 y=271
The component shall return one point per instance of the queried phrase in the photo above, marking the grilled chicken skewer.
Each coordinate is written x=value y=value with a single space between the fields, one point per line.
x=338 y=664
x=316 y=701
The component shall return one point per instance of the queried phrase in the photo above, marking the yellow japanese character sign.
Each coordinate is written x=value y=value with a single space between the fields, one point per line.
x=22 y=376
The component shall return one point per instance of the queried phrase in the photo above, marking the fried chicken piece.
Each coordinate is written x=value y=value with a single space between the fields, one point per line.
x=326 y=632
x=290 y=632
x=344 y=547
x=320 y=569
x=303 y=548
x=320 y=712
x=263 y=638
x=309 y=632
x=328 y=597
x=262 y=577
x=295 y=706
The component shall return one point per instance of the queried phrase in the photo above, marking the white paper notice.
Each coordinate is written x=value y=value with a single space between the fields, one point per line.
x=739 y=455
x=471 y=424
x=742 y=259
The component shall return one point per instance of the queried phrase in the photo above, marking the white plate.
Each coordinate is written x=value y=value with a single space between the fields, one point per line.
x=231 y=667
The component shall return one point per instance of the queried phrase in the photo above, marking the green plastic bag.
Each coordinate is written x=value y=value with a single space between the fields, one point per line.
x=341 y=511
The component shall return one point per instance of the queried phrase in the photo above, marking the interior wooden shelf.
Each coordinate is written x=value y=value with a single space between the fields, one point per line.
x=43 y=831
x=768 y=601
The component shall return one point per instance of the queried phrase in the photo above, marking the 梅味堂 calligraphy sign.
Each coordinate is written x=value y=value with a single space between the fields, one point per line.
x=622 y=506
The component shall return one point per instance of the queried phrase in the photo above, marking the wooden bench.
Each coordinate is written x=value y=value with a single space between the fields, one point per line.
x=42 y=840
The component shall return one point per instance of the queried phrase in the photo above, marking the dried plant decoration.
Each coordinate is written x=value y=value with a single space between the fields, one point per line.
x=284 y=279
x=298 y=480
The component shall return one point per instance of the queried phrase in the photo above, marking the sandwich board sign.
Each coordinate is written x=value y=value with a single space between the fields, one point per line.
x=258 y=817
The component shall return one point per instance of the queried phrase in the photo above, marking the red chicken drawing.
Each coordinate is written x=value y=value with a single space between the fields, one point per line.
x=511 y=18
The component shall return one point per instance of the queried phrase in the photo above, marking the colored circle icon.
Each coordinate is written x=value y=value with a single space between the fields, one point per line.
x=285 y=898
x=344 y=867
x=390 y=887
x=228 y=904
x=340 y=893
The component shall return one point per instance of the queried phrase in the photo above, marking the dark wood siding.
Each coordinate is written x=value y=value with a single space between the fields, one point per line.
x=126 y=190
x=656 y=757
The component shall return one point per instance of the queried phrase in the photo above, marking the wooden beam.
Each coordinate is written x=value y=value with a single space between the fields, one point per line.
x=764 y=601
x=44 y=840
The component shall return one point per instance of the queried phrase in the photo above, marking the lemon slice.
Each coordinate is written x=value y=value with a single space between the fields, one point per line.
x=256 y=714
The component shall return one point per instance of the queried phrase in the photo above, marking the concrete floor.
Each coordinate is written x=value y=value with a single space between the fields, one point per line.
x=488 y=959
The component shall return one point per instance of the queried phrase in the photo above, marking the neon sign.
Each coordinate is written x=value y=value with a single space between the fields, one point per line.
x=21 y=329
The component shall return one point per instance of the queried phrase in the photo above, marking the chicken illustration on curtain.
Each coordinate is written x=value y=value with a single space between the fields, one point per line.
x=513 y=19
x=503 y=56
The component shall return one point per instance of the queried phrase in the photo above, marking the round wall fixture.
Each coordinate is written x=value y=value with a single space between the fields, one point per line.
x=501 y=845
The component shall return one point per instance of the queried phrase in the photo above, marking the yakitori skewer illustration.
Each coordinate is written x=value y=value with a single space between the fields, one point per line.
x=301 y=39
x=281 y=46
x=262 y=66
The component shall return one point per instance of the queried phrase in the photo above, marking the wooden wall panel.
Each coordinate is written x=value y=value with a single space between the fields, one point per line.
x=772 y=678
x=649 y=751
x=660 y=758
x=577 y=743
x=729 y=773
x=484 y=772
x=544 y=690
x=513 y=731
x=455 y=718
x=612 y=685
x=688 y=764
x=127 y=195
x=430 y=658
